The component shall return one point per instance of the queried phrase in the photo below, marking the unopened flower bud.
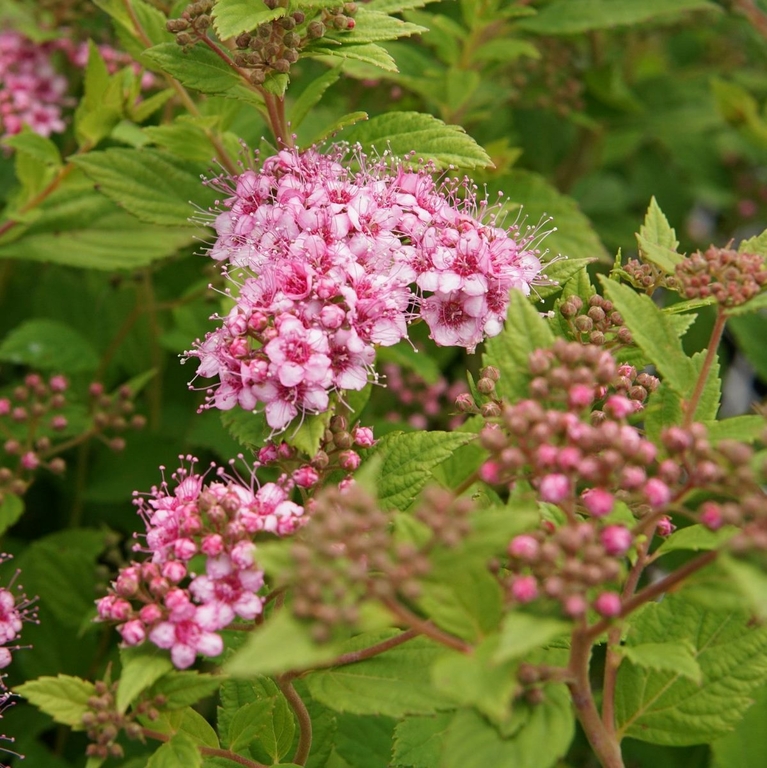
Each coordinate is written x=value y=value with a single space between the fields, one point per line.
x=608 y=604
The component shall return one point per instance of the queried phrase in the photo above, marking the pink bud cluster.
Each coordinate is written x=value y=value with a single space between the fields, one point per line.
x=331 y=263
x=32 y=93
x=420 y=404
x=214 y=523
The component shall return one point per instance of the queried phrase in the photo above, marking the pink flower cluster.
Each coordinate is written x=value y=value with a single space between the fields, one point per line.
x=31 y=91
x=15 y=610
x=332 y=262
x=163 y=599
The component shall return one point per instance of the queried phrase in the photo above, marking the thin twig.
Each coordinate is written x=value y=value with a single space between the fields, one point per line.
x=207 y=751
x=302 y=715
x=425 y=627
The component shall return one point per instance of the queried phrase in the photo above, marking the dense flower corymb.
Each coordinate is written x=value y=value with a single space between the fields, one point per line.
x=332 y=262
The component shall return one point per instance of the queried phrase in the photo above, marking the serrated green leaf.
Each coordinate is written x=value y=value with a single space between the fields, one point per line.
x=428 y=137
x=179 y=752
x=756 y=244
x=522 y=633
x=269 y=722
x=677 y=657
x=654 y=334
x=569 y=17
x=394 y=683
x=750 y=580
x=664 y=707
x=657 y=240
x=311 y=95
x=375 y=27
x=472 y=742
x=11 y=510
x=711 y=397
x=746 y=745
x=153 y=185
x=281 y=644
x=141 y=667
x=187 y=721
x=247 y=428
x=345 y=121
x=35 y=145
x=697 y=538
x=308 y=436
x=418 y=740
x=755 y=304
x=183 y=688
x=397 y=6
x=561 y=272
x=231 y=17
x=479 y=680
x=48 y=345
x=407 y=461
x=364 y=740
x=201 y=69
x=745 y=428
x=370 y=53
x=64 y=698
x=525 y=331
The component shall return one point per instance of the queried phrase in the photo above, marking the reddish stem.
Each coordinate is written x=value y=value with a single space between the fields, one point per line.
x=425 y=627
x=711 y=352
x=207 y=751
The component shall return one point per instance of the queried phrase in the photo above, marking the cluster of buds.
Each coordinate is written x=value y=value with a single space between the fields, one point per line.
x=647 y=277
x=103 y=722
x=347 y=554
x=162 y=599
x=35 y=426
x=597 y=323
x=193 y=23
x=730 y=277
x=420 y=404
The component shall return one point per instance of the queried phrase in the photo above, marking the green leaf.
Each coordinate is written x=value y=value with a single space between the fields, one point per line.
x=183 y=688
x=466 y=603
x=394 y=683
x=311 y=95
x=745 y=428
x=657 y=240
x=711 y=397
x=664 y=707
x=428 y=137
x=374 y=27
x=34 y=145
x=755 y=304
x=472 y=742
x=308 y=436
x=677 y=657
x=201 y=69
x=153 y=185
x=569 y=17
x=479 y=680
x=746 y=746
x=231 y=17
x=750 y=580
x=748 y=331
x=654 y=334
x=525 y=331
x=756 y=244
x=11 y=510
x=522 y=633
x=407 y=461
x=365 y=740
x=141 y=667
x=247 y=428
x=187 y=721
x=560 y=273
x=179 y=752
x=64 y=698
x=418 y=740
x=696 y=538
x=370 y=53
x=48 y=345
x=279 y=645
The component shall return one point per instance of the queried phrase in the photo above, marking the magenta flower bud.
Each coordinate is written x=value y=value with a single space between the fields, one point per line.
x=676 y=439
x=19 y=414
x=524 y=547
x=120 y=609
x=554 y=488
x=212 y=545
x=608 y=604
x=657 y=493
x=647 y=452
x=284 y=451
x=58 y=383
x=306 y=476
x=59 y=422
x=239 y=348
x=524 y=589
x=620 y=407
x=627 y=371
x=711 y=516
x=150 y=613
x=257 y=322
x=133 y=632
x=349 y=460
x=490 y=472
x=127 y=582
x=363 y=437
x=332 y=316
x=574 y=606
x=580 y=396
x=96 y=389
x=184 y=549
x=5 y=406
x=546 y=455
x=33 y=380
x=616 y=539
x=598 y=501
x=30 y=460
x=465 y=403
x=243 y=554
x=268 y=454
x=174 y=571
x=632 y=478
x=665 y=527
x=569 y=458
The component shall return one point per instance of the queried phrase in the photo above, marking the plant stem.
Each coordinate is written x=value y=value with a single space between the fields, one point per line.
x=604 y=743
x=368 y=653
x=711 y=352
x=302 y=715
x=425 y=627
x=207 y=751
